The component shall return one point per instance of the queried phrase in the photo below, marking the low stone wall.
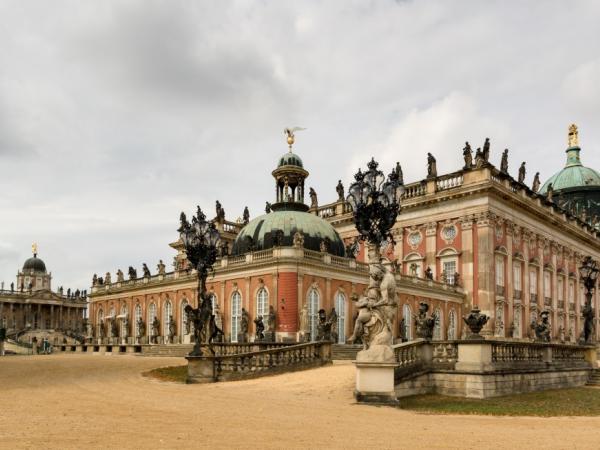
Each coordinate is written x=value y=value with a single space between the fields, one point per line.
x=478 y=385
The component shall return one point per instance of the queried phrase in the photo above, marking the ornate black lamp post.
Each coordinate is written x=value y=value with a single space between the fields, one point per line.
x=375 y=202
x=588 y=272
x=201 y=241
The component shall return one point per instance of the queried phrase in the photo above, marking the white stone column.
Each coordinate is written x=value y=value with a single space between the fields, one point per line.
x=466 y=274
x=430 y=248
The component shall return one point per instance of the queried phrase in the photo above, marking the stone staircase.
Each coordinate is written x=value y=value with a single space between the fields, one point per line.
x=177 y=350
x=594 y=378
x=344 y=351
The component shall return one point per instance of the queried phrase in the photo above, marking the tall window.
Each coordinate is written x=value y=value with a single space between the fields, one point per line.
x=517 y=282
x=138 y=316
x=571 y=292
x=437 y=329
x=112 y=316
x=560 y=286
x=407 y=316
x=183 y=318
x=262 y=303
x=449 y=267
x=547 y=285
x=500 y=274
x=151 y=316
x=451 y=325
x=124 y=320
x=340 y=307
x=533 y=285
x=99 y=322
x=313 y=312
x=213 y=302
x=168 y=312
x=236 y=315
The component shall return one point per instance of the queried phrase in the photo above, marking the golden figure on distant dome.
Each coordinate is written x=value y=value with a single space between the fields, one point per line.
x=34 y=249
x=289 y=132
x=573 y=136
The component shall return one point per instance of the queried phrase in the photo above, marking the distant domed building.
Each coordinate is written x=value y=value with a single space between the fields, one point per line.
x=576 y=188
x=31 y=309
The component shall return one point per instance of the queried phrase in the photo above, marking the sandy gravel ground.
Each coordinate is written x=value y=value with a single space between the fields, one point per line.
x=86 y=401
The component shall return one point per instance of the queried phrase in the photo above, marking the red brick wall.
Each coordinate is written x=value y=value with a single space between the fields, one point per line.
x=287 y=311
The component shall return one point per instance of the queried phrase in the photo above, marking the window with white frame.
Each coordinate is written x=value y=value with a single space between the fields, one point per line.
x=500 y=271
x=236 y=315
x=560 y=286
x=547 y=284
x=517 y=278
x=407 y=317
x=262 y=303
x=313 y=312
x=340 y=307
x=449 y=268
x=183 y=318
x=138 y=316
x=533 y=281
x=168 y=312
x=451 y=325
x=439 y=324
x=124 y=320
x=150 y=319
x=99 y=321
x=571 y=292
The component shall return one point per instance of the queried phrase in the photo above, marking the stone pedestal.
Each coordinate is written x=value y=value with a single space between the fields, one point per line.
x=591 y=356
x=187 y=339
x=474 y=356
x=242 y=338
x=269 y=336
x=1 y=348
x=375 y=383
x=200 y=370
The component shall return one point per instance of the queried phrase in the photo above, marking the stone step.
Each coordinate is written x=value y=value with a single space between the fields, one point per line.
x=344 y=351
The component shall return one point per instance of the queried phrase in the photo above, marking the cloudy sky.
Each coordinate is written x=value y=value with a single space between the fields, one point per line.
x=117 y=115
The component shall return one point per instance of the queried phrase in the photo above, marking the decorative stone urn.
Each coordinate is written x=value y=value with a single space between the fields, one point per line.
x=475 y=321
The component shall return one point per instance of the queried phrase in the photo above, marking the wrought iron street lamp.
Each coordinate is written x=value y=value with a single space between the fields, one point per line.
x=588 y=273
x=201 y=240
x=375 y=202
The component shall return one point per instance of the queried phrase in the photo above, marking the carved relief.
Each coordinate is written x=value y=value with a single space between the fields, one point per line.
x=414 y=239
x=431 y=228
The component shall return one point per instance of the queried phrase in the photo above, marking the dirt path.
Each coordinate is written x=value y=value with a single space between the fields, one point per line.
x=86 y=401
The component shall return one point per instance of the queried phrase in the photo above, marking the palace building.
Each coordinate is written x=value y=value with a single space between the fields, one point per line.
x=516 y=251
x=31 y=308
x=290 y=262
x=476 y=236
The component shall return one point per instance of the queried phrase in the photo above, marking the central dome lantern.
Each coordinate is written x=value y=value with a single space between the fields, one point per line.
x=289 y=213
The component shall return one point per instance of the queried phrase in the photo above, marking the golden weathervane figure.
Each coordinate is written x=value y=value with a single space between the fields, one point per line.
x=34 y=249
x=573 y=136
x=289 y=132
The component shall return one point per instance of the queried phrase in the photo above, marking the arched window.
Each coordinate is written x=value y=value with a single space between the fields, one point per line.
x=439 y=322
x=124 y=319
x=168 y=312
x=213 y=302
x=313 y=312
x=340 y=307
x=138 y=316
x=407 y=317
x=451 y=325
x=150 y=319
x=99 y=321
x=236 y=315
x=262 y=303
x=183 y=318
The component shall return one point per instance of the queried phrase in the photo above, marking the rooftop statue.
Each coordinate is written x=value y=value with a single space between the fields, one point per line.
x=290 y=136
x=107 y=278
x=486 y=150
x=431 y=166
x=549 y=192
x=522 y=173
x=573 y=139
x=120 y=277
x=246 y=215
x=260 y=328
x=219 y=211
x=314 y=203
x=340 y=191
x=132 y=273
x=399 y=173
x=468 y=156
x=267 y=207
x=146 y=271
x=536 y=182
x=161 y=268
x=479 y=158
x=504 y=161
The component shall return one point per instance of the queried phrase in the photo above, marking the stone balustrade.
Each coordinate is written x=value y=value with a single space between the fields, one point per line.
x=226 y=367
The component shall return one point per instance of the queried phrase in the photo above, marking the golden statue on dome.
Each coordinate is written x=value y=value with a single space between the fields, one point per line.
x=289 y=132
x=34 y=249
x=573 y=136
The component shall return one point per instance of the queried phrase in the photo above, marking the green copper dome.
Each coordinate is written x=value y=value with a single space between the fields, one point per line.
x=290 y=159
x=263 y=229
x=574 y=175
